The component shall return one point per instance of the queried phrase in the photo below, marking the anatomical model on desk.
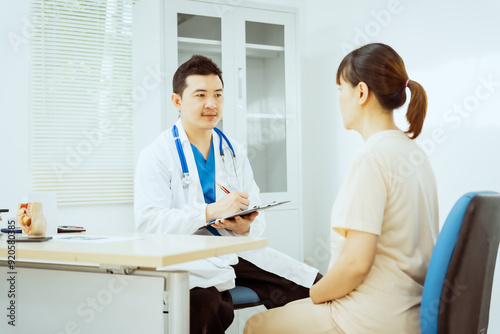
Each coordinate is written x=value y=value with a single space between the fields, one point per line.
x=30 y=217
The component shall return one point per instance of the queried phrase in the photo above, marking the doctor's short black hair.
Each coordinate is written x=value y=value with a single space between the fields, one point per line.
x=197 y=65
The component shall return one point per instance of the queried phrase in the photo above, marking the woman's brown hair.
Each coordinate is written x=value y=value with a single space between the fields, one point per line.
x=384 y=72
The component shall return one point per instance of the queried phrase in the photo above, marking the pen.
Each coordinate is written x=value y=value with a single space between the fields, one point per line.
x=8 y=230
x=223 y=189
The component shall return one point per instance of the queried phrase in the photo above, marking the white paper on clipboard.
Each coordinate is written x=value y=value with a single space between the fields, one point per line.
x=255 y=208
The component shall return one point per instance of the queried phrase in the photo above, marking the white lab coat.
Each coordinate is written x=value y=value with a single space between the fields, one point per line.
x=162 y=205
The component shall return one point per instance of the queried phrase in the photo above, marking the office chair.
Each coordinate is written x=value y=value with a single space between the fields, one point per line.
x=244 y=297
x=457 y=290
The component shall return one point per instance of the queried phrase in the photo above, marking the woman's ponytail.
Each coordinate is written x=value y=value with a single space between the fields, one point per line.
x=417 y=109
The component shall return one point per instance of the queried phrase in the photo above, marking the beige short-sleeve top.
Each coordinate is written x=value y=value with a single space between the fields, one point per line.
x=390 y=191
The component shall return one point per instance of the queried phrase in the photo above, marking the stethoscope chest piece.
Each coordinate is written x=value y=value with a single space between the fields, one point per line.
x=186 y=180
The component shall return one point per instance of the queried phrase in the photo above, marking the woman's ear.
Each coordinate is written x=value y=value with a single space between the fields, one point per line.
x=363 y=92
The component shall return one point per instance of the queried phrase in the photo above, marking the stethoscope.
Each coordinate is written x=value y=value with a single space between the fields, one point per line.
x=186 y=179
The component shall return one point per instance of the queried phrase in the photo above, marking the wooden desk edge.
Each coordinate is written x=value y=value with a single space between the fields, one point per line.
x=128 y=260
x=230 y=249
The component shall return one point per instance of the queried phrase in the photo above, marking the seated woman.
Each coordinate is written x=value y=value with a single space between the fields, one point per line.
x=386 y=213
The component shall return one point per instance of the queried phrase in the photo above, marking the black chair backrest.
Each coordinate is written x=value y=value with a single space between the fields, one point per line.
x=466 y=294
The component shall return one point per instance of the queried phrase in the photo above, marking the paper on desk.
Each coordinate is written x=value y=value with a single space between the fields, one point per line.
x=92 y=239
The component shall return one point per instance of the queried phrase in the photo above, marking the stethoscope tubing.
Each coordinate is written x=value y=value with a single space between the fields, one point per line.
x=186 y=179
x=222 y=135
x=180 y=151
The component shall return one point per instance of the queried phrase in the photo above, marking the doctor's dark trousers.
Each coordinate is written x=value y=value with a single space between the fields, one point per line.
x=212 y=312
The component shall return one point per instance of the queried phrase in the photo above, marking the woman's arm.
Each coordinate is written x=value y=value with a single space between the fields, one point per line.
x=350 y=269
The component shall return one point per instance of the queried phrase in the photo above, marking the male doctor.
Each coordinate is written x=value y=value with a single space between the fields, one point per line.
x=168 y=201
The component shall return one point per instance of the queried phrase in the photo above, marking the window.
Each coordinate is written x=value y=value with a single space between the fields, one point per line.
x=81 y=107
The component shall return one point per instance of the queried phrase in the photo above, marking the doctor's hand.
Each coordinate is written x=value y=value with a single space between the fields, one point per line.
x=233 y=202
x=239 y=225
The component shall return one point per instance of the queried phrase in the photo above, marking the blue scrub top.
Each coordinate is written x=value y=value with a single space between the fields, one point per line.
x=206 y=173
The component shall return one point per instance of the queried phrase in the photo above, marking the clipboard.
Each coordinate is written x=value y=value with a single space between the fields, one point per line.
x=255 y=208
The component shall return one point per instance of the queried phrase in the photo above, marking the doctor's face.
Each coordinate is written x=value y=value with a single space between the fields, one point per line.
x=202 y=102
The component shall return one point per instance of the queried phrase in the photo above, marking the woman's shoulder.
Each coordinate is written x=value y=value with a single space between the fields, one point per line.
x=388 y=149
x=389 y=142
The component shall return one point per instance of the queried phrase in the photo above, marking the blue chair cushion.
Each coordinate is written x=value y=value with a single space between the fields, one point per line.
x=440 y=261
x=244 y=297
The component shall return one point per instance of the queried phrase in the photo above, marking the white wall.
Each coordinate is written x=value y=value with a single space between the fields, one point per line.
x=16 y=29
x=451 y=48
x=14 y=104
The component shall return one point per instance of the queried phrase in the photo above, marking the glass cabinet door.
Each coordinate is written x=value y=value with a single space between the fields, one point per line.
x=198 y=35
x=267 y=100
x=266 y=105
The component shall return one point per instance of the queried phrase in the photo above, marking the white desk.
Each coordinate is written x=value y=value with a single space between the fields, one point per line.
x=105 y=286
